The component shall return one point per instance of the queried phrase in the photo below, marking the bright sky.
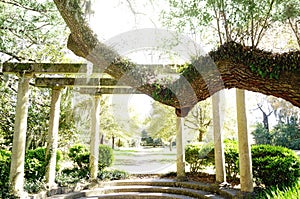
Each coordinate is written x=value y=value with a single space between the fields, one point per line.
x=114 y=17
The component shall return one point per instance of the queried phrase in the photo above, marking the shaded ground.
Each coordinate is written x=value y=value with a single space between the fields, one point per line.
x=145 y=160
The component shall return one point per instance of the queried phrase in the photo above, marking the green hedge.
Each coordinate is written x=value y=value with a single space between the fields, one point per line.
x=272 y=165
x=197 y=155
x=36 y=163
x=106 y=156
x=231 y=159
x=275 y=165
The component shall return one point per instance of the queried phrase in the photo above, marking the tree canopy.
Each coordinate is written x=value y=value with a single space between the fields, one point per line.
x=236 y=65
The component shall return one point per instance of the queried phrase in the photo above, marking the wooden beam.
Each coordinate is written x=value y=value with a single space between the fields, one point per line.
x=44 y=68
x=77 y=82
x=73 y=68
x=100 y=91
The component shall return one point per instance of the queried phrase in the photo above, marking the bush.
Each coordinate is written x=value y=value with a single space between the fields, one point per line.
x=231 y=159
x=262 y=135
x=80 y=154
x=275 y=165
x=35 y=164
x=71 y=176
x=282 y=193
x=287 y=135
x=106 y=156
x=5 y=157
x=197 y=155
x=112 y=175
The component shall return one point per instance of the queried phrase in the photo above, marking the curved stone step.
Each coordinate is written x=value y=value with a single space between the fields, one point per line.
x=153 y=189
x=153 y=186
x=135 y=195
x=227 y=193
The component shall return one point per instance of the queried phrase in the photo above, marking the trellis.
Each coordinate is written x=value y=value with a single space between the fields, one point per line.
x=57 y=76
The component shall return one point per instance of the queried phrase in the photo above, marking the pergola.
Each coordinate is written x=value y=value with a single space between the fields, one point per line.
x=57 y=76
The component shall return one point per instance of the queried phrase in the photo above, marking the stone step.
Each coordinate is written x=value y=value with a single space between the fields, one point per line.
x=227 y=193
x=155 y=189
x=153 y=186
x=102 y=192
x=137 y=195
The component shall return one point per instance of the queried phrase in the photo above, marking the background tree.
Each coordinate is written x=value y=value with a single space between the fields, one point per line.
x=199 y=118
x=161 y=123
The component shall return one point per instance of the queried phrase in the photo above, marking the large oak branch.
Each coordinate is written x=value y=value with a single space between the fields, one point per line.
x=199 y=81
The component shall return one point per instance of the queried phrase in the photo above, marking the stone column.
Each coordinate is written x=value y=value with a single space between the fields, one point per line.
x=16 y=176
x=218 y=140
x=181 y=113
x=53 y=136
x=245 y=160
x=95 y=132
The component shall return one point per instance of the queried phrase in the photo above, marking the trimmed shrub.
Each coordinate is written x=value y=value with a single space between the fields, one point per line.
x=36 y=163
x=106 y=156
x=79 y=154
x=197 y=155
x=275 y=165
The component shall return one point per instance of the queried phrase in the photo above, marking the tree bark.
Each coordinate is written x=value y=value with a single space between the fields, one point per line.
x=195 y=84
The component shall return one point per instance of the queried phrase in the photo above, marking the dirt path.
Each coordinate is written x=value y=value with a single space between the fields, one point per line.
x=145 y=160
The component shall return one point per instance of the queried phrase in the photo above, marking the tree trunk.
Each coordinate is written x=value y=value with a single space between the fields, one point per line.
x=113 y=142
x=197 y=82
x=102 y=139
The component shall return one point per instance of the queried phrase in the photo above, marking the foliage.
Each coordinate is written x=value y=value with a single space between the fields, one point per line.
x=112 y=175
x=160 y=123
x=281 y=193
x=80 y=154
x=196 y=155
x=7 y=111
x=286 y=135
x=71 y=176
x=245 y=22
x=261 y=134
x=199 y=118
x=35 y=164
x=263 y=63
x=275 y=165
x=34 y=185
x=231 y=159
x=31 y=31
x=106 y=156
x=5 y=157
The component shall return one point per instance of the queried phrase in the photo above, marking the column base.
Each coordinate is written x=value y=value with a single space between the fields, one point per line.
x=182 y=179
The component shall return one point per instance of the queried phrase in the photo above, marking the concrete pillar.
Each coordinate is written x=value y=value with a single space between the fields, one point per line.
x=245 y=160
x=181 y=113
x=218 y=140
x=16 y=176
x=53 y=136
x=94 y=143
x=180 y=149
